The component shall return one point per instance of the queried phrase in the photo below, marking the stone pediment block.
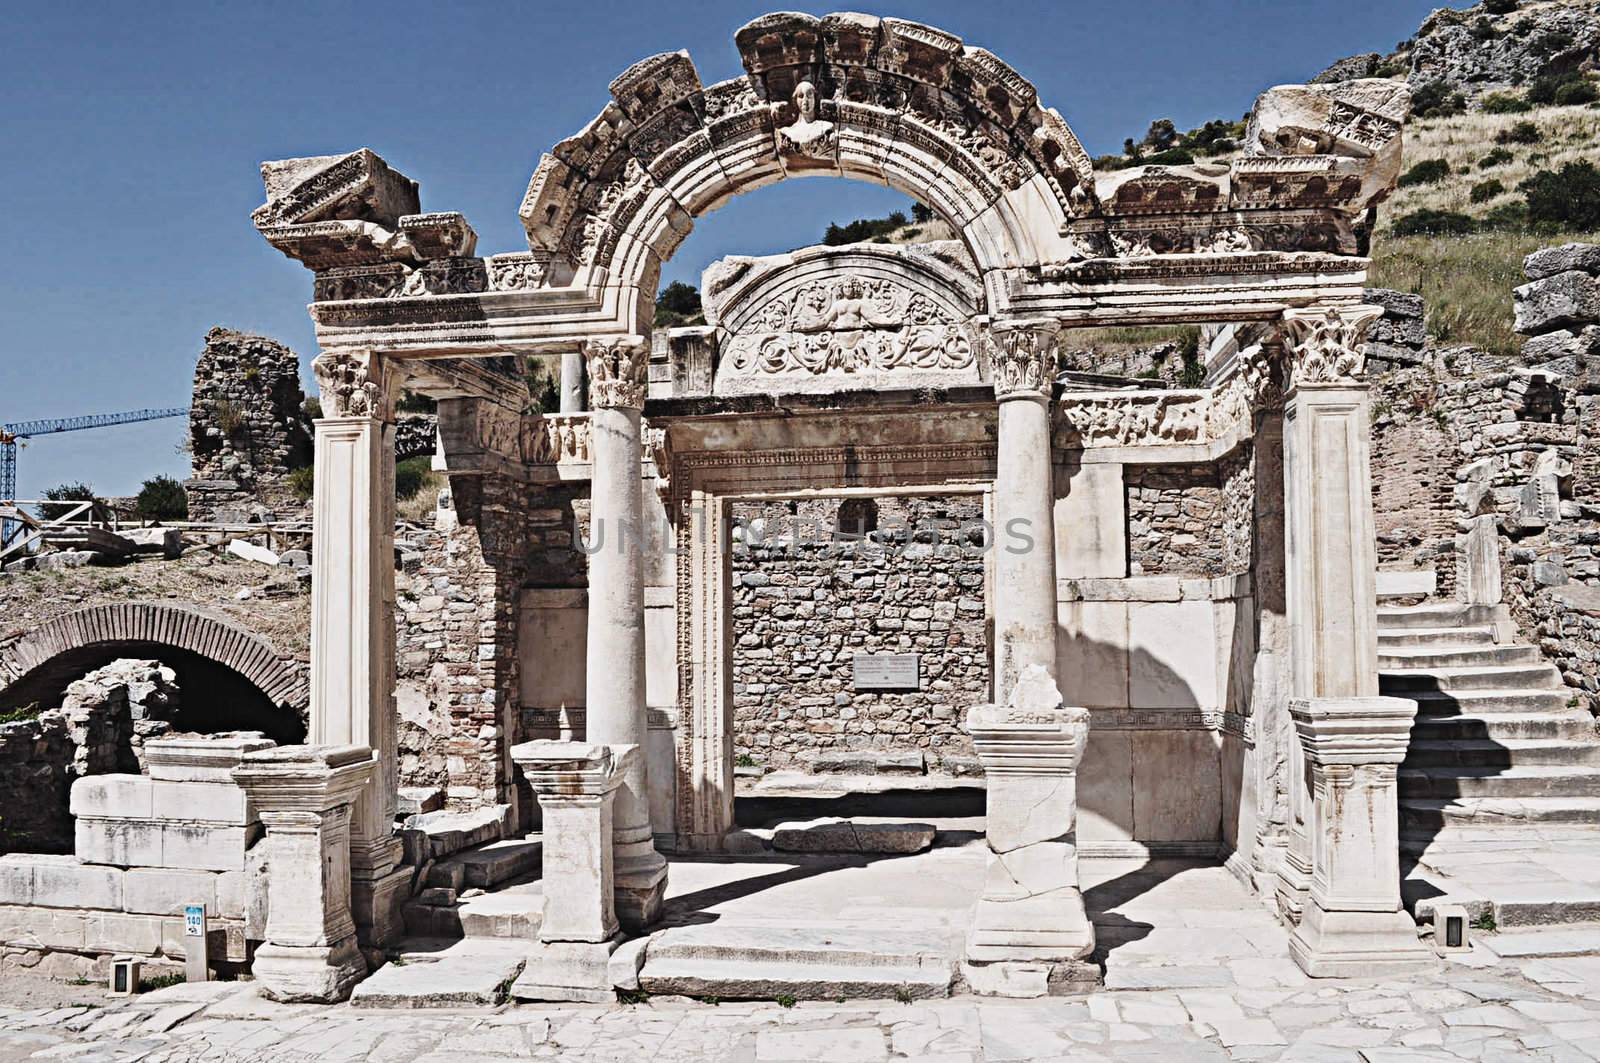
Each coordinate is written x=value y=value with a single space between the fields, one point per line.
x=358 y=186
x=1163 y=190
x=1356 y=122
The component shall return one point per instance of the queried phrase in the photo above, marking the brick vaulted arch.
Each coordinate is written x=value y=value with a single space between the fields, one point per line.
x=160 y=623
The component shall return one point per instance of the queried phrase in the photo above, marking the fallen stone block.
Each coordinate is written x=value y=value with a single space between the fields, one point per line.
x=451 y=832
x=833 y=835
x=61 y=560
x=1549 y=261
x=1570 y=298
x=415 y=800
x=168 y=542
x=249 y=551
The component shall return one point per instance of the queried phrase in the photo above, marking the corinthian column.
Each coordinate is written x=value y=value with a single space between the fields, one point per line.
x=615 y=665
x=1025 y=564
x=352 y=615
x=1348 y=922
x=1030 y=933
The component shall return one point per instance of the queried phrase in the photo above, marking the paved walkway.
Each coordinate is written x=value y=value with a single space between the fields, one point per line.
x=1480 y=1008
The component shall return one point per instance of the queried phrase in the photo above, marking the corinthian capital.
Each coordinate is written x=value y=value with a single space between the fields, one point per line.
x=1328 y=345
x=354 y=384
x=1024 y=357
x=617 y=368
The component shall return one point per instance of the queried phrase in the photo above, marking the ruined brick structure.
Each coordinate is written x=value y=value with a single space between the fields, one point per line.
x=247 y=427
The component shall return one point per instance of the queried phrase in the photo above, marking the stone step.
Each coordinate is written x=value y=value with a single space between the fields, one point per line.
x=1522 y=780
x=1422 y=658
x=1484 y=702
x=487 y=866
x=1434 y=615
x=762 y=962
x=1572 y=725
x=1402 y=682
x=469 y=974
x=503 y=915
x=1501 y=753
x=1424 y=813
x=1434 y=636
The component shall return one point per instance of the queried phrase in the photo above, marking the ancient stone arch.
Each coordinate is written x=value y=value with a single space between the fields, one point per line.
x=183 y=627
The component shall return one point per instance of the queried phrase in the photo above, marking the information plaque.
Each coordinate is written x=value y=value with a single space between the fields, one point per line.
x=887 y=671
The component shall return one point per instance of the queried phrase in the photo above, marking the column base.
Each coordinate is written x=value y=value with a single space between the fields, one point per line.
x=309 y=974
x=640 y=894
x=1028 y=980
x=375 y=906
x=575 y=971
x=1293 y=887
x=1049 y=927
x=1358 y=944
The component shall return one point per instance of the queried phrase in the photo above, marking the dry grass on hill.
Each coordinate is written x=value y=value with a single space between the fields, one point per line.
x=1568 y=134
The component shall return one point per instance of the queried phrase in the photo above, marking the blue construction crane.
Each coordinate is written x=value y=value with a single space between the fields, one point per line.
x=10 y=434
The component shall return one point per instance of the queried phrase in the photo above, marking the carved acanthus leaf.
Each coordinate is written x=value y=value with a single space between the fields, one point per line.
x=618 y=369
x=1024 y=355
x=352 y=385
x=1327 y=345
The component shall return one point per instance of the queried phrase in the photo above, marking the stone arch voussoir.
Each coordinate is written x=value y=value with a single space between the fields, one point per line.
x=182 y=627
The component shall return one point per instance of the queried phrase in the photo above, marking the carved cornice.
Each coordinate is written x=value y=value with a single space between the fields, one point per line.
x=618 y=369
x=354 y=384
x=1024 y=353
x=1327 y=345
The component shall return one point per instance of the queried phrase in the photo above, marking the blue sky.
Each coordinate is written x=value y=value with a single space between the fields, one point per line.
x=132 y=134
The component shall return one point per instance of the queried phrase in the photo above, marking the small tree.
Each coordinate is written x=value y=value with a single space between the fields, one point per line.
x=1569 y=197
x=1161 y=135
x=69 y=493
x=1523 y=132
x=921 y=213
x=1426 y=172
x=162 y=498
x=544 y=390
x=411 y=476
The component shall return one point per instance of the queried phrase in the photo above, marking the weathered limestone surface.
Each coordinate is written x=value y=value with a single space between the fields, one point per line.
x=305 y=795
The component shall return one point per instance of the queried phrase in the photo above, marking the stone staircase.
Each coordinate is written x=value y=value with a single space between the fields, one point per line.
x=1497 y=739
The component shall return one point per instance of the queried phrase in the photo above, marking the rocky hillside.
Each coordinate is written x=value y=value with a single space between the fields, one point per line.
x=1492 y=45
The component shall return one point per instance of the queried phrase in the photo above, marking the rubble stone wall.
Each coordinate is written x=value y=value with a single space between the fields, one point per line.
x=247 y=427
x=805 y=603
x=1175 y=520
x=35 y=778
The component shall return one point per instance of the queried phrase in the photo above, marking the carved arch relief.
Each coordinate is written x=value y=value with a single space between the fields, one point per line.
x=882 y=100
x=841 y=319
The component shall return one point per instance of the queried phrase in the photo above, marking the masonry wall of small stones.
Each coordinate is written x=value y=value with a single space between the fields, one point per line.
x=1414 y=463
x=1552 y=517
x=456 y=652
x=806 y=602
x=1175 y=520
x=247 y=427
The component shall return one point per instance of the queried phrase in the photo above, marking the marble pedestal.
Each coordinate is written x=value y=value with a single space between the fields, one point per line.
x=1030 y=932
x=1353 y=925
x=577 y=784
x=304 y=795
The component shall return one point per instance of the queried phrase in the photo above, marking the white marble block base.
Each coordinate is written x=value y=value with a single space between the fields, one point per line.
x=577 y=971
x=309 y=974
x=1031 y=910
x=1027 y=981
x=1358 y=944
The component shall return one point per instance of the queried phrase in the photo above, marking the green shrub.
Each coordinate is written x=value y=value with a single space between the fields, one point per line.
x=1499 y=7
x=30 y=711
x=1497 y=157
x=312 y=407
x=300 y=482
x=1505 y=103
x=1484 y=191
x=71 y=493
x=1437 y=99
x=1523 y=132
x=1433 y=223
x=411 y=475
x=1569 y=197
x=921 y=213
x=1576 y=92
x=1552 y=41
x=162 y=498
x=1426 y=172
x=1511 y=216
x=1483 y=29
x=1546 y=87
x=863 y=229
x=678 y=304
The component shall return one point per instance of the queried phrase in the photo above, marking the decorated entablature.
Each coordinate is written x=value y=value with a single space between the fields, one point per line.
x=882 y=100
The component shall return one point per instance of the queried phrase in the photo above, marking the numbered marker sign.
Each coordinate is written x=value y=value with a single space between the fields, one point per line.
x=194 y=920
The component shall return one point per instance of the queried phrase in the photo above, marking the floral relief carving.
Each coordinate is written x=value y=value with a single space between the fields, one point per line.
x=1138 y=420
x=1328 y=345
x=618 y=370
x=514 y=273
x=850 y=325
